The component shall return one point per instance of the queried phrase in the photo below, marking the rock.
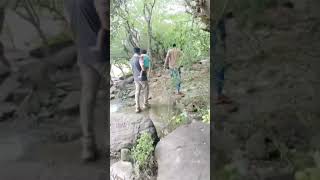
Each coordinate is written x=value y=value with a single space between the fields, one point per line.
x=205 y=62
x=71 y=102
x=132 y=94
x=121 y=170
x=6 y=110
x=314 y=142
x=44 y=97
x=125 y=155
x=185 y=153
x=19 y=95
x=30 y=104
x=130 y=80
x=125 y=129
x=71 y=85
x=4 y=70
x=37 y=53
x=224 y=142
x=44 y=113
x=121 y=85
x=113 y=90
x=256 y=147
x=66 y=57
x=66 y=134
x=61 y=93
x=36 y=72
x=7 y=88
x=112 y=96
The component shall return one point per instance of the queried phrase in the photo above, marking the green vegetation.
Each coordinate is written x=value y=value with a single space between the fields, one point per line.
x=310 y=173
x=179 y=119
x=156 y=31
x=228 y=172
x=142 y=153
x=206 y=116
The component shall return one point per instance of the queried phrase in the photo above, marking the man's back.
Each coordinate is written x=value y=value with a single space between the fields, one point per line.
x=85 y=24
x=136 y=68
x=174 y=56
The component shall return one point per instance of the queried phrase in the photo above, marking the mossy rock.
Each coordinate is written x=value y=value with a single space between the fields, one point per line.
x=308 y=174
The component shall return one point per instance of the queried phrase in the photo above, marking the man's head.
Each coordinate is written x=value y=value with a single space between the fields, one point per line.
x=174 y=45
x=136 y=50
x=144 y=51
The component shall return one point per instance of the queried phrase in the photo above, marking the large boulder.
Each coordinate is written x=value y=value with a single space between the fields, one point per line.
x=121 y=170
x=185 y=153
x=7 y=87
x=36 y=73
x=4 y=70
x=6 y=110
x=126 y=128
x=71 y=102
x=130 y=80
x=66 y=57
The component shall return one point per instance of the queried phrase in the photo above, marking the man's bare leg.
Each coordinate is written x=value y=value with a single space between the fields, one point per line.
x=146 y=95
x=137 y=96
x=90 y=85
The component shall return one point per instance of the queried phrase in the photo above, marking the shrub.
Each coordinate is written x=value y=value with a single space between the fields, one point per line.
x=206 y=116
x=142 y=153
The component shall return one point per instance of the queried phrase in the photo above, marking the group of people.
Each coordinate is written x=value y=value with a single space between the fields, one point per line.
x=141 y=63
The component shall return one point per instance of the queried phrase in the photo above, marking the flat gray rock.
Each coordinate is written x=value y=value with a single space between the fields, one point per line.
x=70 y=102
x=185 y=153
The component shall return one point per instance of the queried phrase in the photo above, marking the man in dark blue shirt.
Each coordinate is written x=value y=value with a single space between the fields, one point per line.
x=85 y=20
x=140 y=79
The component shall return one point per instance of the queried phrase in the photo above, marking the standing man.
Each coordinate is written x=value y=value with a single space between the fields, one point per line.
x=84 y=18
x=140 y=79
x=219 y=55
x=172 y=62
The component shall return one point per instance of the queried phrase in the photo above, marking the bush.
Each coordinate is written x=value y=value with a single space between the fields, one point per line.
x=142 y=153
x=206 y=116
x=179 y=119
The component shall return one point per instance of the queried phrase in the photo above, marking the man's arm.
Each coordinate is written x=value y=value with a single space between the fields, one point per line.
x=141 y=62
x=102 y=8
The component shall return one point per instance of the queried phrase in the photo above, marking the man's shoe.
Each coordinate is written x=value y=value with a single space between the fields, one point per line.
x=89 y=154
x=146 y=106
x=180 y=94
x=138 y=110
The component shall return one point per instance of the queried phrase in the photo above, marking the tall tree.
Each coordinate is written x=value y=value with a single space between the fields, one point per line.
x=29 y=11
x=148 y=7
